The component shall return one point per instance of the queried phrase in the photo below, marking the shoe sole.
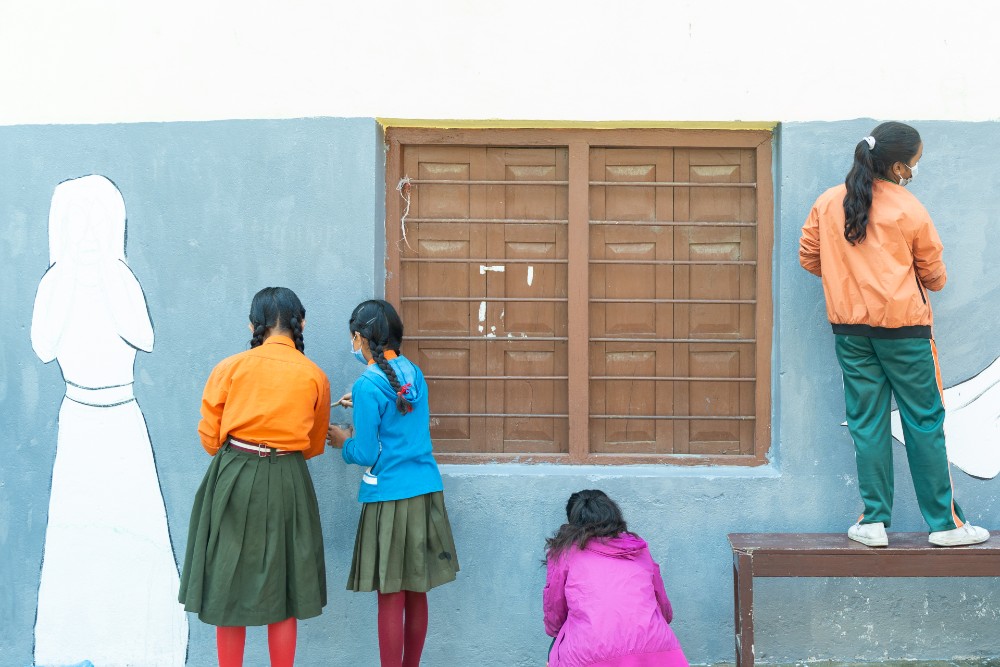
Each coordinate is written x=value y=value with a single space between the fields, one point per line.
x=960 y=543
x=868 y=542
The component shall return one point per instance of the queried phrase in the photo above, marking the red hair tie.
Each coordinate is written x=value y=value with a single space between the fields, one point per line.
x=404 y=389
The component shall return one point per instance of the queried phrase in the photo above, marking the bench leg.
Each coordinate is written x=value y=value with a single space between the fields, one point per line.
x=743 y=608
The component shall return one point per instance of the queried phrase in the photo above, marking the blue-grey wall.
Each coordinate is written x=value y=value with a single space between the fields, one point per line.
x=218 y=210
x=215 y=212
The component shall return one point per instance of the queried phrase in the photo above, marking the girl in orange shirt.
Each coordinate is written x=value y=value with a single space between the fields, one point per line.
x=255 y=546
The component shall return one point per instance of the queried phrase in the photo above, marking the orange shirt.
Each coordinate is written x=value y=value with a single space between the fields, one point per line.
x=269 y=395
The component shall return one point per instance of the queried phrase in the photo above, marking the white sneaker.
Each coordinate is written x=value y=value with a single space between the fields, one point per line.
x=958 y=537
x=870 y=534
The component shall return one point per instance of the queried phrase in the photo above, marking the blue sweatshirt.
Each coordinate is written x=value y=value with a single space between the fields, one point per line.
x=396 y=448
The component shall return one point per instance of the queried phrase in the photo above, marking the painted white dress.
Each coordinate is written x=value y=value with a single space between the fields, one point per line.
x=108 y=589
x=971 y=423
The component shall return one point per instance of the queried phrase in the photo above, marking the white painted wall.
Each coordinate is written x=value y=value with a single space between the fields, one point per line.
x=91 y=61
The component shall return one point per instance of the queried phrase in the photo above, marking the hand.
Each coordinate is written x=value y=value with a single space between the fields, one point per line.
x=345 y=401
x=336 y=435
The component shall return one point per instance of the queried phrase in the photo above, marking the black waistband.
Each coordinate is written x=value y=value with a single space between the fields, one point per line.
x=914 y=331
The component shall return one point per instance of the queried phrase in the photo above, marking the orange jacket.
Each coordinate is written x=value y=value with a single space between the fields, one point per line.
x=269 y=395
x=881 y=281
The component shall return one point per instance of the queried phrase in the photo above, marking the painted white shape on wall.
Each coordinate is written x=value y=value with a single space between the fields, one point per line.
x=108 y=586
x=728 y=60
x=971 y=423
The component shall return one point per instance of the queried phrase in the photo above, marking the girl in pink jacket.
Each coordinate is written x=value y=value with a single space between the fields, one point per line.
x=604 y=600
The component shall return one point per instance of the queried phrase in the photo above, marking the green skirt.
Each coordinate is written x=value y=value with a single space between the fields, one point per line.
x=255 y=544
x=403 y=545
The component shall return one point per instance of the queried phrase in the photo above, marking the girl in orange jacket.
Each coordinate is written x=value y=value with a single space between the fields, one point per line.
x=877 y=252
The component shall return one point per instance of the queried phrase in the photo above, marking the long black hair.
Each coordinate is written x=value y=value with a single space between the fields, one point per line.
x=589 y=514
x=378 y=322
x=894 y=142
x=277 y=309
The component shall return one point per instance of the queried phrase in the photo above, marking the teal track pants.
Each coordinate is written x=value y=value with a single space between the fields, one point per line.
x=875 y=369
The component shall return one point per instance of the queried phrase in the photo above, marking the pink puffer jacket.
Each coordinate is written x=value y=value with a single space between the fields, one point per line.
x=606 y=607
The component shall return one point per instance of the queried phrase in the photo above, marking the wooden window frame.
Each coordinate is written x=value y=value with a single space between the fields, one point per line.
x=579 y=143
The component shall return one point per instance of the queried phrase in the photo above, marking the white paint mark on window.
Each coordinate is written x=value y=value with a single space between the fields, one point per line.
x=499 y=268
x=531 y=275
x=482 y=311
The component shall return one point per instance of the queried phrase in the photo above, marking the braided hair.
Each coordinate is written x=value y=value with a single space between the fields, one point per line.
x=378 y=322
x=894 y=142
x=589 y=514
x=277 y=309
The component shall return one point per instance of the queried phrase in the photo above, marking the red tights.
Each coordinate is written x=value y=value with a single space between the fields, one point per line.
x=280 y=644
x=402 y=628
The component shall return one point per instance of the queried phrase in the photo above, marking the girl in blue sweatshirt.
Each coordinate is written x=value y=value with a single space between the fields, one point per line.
x=404 y=545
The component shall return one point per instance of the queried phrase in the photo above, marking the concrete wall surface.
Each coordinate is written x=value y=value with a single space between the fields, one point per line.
x=217 y=210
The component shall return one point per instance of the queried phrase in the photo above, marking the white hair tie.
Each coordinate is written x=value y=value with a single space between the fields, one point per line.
x=871 y=142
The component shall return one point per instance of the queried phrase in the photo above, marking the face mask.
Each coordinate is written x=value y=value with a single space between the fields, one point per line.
x=913 y=174
x=358 y=354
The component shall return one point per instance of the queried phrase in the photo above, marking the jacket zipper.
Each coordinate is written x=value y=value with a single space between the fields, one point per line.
x=920 y=288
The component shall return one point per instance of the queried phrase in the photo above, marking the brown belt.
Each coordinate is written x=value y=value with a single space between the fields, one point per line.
x=262 y=451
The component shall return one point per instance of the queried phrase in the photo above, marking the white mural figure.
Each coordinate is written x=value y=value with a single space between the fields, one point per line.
x=108 y=589
x=971 y=423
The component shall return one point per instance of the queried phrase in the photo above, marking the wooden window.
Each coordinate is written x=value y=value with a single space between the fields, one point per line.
x=586 y=296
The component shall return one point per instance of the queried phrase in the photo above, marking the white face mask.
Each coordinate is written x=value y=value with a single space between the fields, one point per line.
x=913 y=174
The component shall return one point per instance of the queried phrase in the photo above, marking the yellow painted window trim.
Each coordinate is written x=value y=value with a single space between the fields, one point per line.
x=575 y=124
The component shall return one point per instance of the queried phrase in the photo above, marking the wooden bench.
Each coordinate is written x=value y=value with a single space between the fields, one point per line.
x=833 y=555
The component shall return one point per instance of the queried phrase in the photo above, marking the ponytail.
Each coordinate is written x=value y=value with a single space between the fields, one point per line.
x=378 y=354
x=858 y=200
x=295 y=325
x=874 y=156
x=258 y=335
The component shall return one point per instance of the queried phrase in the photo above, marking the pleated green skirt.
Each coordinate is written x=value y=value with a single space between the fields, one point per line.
x=255 y=544
x=403 y=545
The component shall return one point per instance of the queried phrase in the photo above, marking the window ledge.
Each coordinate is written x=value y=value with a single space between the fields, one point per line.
x=598 y=472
